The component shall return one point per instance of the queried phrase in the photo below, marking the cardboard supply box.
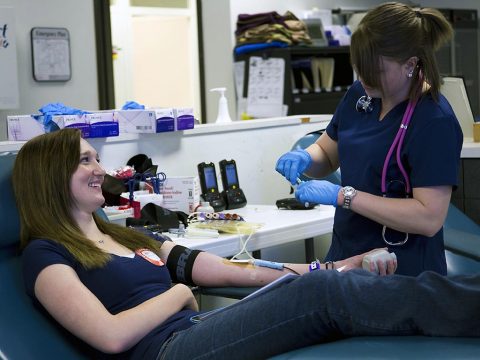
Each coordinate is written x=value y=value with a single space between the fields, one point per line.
x=181 y=193
x=73 y=121
x=24 y=127
x=146 y=121
x=184 y=119
x=95 y=124
x=102 y=124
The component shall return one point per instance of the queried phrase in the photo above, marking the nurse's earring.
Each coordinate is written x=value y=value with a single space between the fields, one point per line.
x=410 y=74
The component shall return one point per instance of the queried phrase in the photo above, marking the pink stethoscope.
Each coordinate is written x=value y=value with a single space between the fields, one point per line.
x=364 y=104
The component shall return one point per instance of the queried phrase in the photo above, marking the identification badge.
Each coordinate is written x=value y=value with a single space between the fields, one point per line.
x=150 y=256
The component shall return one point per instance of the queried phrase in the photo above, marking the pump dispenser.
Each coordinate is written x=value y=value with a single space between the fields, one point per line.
x=223 y=115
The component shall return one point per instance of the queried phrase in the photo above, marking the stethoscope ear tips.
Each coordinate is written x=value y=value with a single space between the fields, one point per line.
x=364 y=104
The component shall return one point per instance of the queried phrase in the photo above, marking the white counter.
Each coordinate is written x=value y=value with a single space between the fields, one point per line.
x=470 y=149
x=278 y=227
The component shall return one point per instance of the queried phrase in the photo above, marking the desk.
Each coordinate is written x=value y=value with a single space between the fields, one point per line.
x=279 y=227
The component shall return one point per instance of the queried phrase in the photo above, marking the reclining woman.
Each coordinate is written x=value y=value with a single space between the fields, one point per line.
x=112 y=286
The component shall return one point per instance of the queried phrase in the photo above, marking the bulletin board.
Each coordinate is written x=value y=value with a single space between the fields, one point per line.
x=51 y=54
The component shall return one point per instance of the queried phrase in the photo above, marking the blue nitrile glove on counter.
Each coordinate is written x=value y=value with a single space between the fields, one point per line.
x=132 y=105
x=51 y=109
x=318 y=192
x=293 y=164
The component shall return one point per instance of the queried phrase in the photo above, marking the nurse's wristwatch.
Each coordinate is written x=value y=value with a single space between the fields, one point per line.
x=348 y=194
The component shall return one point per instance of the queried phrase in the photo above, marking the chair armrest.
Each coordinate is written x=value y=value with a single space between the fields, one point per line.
x=227 y=292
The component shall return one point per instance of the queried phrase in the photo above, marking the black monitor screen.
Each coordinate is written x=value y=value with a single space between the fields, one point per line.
x=231 y=174
x=210 y=178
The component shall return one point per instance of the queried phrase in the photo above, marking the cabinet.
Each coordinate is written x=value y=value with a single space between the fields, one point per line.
x=467 y=195
x=321 y=100
x=460 y=56
x=457 y=58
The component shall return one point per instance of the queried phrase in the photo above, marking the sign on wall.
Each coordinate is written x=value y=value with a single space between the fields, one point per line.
x=51 y=54
x=9 y=97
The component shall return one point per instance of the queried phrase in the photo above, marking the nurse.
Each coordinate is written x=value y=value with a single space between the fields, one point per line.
x=396 y=140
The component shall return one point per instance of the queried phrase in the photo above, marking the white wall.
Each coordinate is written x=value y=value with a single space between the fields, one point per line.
x=81 y=91
x=218 y=55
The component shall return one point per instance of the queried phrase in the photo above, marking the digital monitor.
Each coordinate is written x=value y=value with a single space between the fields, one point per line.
x=231 y=172
x=210 y=177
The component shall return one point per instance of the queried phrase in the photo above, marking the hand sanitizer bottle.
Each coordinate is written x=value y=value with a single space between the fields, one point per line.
x=223 y=115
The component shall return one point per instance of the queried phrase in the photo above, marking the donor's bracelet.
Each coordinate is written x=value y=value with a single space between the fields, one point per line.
x=330 y=265
x=314 y=265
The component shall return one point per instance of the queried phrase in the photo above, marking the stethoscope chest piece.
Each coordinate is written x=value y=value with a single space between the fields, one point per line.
x=364 y=104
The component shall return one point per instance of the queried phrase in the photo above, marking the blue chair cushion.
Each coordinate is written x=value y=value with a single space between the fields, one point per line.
x=8 y=207
x=461 y=234
x=26 y=332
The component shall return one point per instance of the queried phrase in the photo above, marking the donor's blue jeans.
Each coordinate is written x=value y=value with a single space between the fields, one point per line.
x=324 y=306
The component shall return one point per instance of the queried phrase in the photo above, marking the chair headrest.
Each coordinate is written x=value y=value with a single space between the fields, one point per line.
x=10 y=224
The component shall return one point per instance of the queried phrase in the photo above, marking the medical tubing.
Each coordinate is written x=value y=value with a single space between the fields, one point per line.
x=243 y=250
x=269 y=264
x=403 y=126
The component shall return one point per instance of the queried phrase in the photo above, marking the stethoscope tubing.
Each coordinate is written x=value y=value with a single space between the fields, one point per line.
x=363 y=104
x=397 y=143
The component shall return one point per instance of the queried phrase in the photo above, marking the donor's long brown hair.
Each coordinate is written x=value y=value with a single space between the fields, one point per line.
x=41 y=180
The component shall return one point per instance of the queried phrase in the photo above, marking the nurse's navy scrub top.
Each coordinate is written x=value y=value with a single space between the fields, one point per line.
x=430 y=155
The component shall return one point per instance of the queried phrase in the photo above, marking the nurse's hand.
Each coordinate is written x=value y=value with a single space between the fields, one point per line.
x=318 y=192
x=293 y=164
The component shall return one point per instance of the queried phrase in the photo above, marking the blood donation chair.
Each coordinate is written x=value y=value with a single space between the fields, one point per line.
x=28 y=333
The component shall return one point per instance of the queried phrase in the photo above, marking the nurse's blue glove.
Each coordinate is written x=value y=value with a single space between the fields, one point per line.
x=293 y=164
x=318 y=192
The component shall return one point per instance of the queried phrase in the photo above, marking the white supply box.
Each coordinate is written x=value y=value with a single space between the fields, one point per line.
x=145 y=121
x=73 y=121
x=181 y=193
x=24 y=127
x=184 y=119
x=102 y=124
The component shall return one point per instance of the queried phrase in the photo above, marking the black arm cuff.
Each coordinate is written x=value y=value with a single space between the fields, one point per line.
x=180 y=264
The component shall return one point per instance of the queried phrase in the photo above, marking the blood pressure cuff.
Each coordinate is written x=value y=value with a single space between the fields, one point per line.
x=180 y=264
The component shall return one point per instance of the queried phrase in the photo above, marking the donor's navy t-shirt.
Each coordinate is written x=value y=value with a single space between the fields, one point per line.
x=123 y=283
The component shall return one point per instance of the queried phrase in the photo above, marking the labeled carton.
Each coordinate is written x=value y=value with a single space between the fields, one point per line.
x=181 y=193
x=145 y=121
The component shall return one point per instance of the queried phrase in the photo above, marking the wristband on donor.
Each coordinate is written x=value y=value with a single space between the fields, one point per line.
x=314 y=265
